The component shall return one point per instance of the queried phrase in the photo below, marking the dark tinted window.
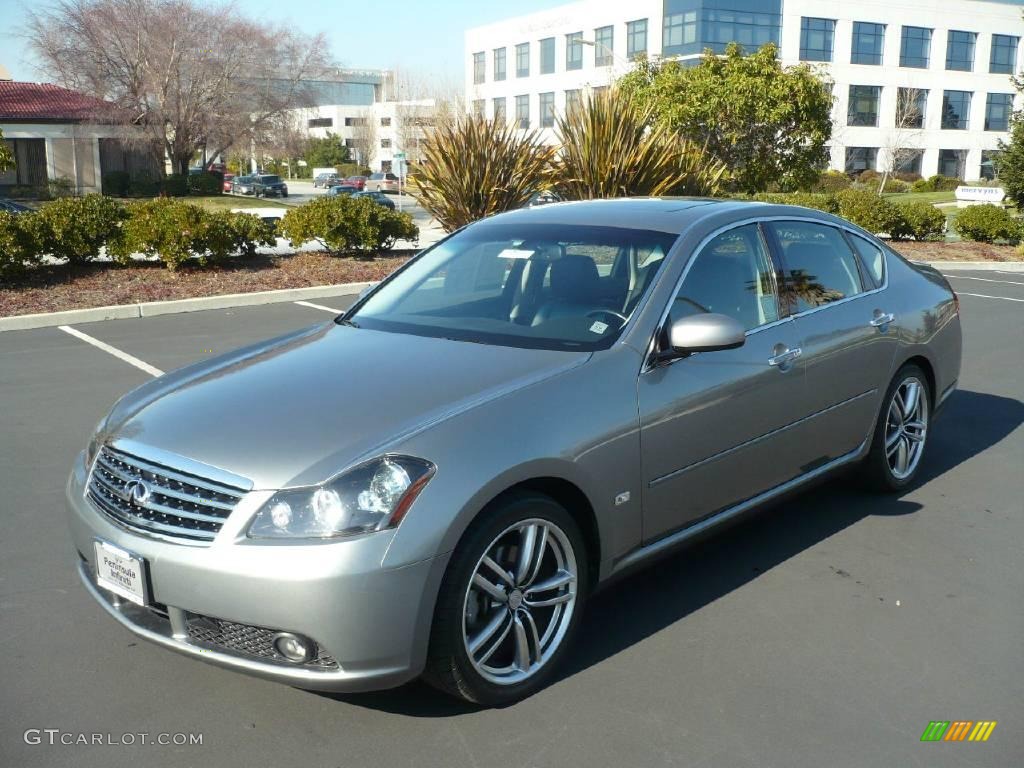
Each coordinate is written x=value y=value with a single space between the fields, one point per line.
x=871 y=257
x=915 y=47
x=820 y=267
x=1003 y=54
x=868 y=41
x=816 y=39
x=732 y=275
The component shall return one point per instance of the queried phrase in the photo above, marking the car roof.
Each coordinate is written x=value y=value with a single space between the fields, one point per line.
x=660 y=214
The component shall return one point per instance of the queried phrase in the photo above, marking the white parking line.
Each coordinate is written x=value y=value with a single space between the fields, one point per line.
x=983 y=296
x=142 y=366
x=986 y=279
x=311 y=305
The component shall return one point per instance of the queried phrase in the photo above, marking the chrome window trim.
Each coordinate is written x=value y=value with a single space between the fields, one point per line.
x=647 y=366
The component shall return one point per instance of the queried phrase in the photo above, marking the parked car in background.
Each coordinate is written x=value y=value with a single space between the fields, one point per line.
x=269 y=186
x=341 y=189
x=12 y=207
x=382 y=182
x=268 y=215
x=324 y=179
x=619 y=377
x=377 y=197
x=228 y=179
x=359 y=182
x=542 y=198
x=242 y=185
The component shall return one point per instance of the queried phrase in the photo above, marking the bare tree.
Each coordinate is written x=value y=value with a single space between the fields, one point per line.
x=185 y=74
x=898 y=144
x=425 y=102
x=285 y=141
x=364 y=137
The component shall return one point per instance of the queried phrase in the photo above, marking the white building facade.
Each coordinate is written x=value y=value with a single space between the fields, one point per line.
x=922 y=85
x=359 y=108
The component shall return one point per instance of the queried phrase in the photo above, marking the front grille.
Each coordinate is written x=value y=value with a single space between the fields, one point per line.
x=178 y=505
x=245 y=639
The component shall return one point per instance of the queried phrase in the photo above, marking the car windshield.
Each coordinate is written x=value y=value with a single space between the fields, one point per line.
x=270 y=179
x=538 y=286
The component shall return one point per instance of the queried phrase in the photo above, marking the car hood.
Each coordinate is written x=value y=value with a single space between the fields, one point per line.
x=297 y=410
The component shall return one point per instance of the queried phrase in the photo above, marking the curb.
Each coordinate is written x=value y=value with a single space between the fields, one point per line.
x=980 y=266
x=154 y=308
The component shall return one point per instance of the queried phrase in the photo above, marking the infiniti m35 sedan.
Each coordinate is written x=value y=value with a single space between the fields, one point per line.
x=435 y=482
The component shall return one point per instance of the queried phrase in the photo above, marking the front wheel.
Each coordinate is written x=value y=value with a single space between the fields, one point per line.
x=901 y=433
x=510 y=602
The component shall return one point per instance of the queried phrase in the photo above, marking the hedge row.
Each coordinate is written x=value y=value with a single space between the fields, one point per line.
x=901 y=221
x=74 y=230
x=123 y=184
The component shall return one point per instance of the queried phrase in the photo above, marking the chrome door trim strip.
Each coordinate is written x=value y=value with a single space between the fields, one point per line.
x=676 y=472
x=684 y=534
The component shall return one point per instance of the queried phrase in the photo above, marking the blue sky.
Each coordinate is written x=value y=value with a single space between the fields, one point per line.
x=421 y=35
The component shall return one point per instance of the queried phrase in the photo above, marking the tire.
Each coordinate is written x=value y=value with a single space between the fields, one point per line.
x=897 y=452
x=519 y=642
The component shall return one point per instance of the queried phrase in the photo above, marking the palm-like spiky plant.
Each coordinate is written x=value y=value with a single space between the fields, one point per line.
x=474 y=167
x=612 y=147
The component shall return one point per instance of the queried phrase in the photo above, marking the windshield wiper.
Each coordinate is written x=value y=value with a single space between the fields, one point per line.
x=342 y=320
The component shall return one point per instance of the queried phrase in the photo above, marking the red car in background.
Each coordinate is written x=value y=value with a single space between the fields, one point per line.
x=228 y=181
x=359 y=182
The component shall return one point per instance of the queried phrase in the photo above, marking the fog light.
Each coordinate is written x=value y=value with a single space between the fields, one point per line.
x=294 y=648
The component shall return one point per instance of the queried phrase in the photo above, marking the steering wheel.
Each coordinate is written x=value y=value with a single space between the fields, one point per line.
x=610 y=312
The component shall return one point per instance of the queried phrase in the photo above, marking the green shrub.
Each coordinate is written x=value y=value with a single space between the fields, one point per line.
x=831 y=181
x=866 y=209
x=986 y=224
x=351 y=169
x=868 y=176
x=19 y=243
x=144 y=185
x=895 y=185
x=175 y=185
x=206 y=183
x=347 y=225
x=75 y=228
x=177 y=231
x=921 y=220
x=60 y=187
x=907 y=176
x=936 y=183
x=116 y=183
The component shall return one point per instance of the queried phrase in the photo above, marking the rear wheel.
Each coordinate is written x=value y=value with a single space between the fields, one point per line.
x=901 y=433
x=510 y=602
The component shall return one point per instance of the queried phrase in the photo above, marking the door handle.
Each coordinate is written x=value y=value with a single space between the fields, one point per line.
x=882 y=318
x=784 y=357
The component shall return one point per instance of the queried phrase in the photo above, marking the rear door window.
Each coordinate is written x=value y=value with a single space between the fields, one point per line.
x=820 y=265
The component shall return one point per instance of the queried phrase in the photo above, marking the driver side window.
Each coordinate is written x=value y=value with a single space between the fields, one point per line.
x=733 y=275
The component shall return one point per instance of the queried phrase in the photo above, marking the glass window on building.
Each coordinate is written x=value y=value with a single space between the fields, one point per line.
x=320 y=122
x=523 y=60
x=915 y=47
x=679 y=29
x=956 y=110
x=499 y=63
x=636 y=38
x=604 y=46
x=574 y=51
x=498 y=106
x=1003 y=59
x=911 y=104
x=989 y=164
x=860 y=159
x=998 y=109
x=478 y=68
x=816 y=39
x=573 y=99
x=385 y=122
x=385 y=143
x=868 y=42
x=547 y=55
x=479 y=108
x=960 y=50
x=908 y=161
x=953 y=163
x=523 y=111
x=863 y=107
x=547 y=110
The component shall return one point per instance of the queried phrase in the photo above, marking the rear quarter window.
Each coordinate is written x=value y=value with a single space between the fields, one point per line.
x=872 y=257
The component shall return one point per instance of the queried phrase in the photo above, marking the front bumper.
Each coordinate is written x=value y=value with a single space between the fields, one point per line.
x=371 y=624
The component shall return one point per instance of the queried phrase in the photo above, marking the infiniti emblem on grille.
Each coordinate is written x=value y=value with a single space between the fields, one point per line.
x=137 y=491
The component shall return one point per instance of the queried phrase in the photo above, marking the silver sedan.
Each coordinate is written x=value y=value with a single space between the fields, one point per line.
x=434 y=483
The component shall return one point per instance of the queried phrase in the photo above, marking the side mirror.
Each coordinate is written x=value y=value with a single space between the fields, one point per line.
x=703 y=333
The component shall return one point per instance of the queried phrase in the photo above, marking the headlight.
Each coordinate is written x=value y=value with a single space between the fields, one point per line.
x=368 y=498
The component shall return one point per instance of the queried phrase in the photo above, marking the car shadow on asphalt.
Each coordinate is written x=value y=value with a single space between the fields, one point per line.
x=672 y=588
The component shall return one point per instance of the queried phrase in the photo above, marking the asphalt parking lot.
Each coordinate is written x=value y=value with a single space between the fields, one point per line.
x=827 y=631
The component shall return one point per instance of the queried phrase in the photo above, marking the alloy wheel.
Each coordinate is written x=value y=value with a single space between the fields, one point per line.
x=906 y=427
x=519 y=602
